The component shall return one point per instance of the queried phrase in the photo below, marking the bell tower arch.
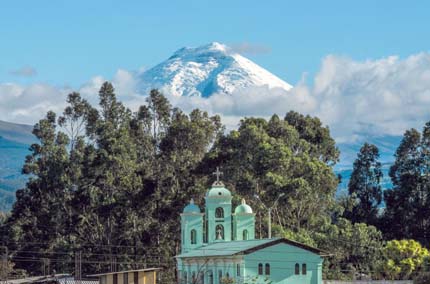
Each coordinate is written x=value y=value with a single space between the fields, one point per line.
x=218 y=212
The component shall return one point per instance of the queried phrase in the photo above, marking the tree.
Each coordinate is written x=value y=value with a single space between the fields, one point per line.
x=355 y=249
x=408 y=204
x=38 y=213
x=403 y=258
x=270 y=158
x=364 y=186
x=311 y=130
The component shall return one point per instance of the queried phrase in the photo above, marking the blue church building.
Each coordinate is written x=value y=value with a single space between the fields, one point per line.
x=218 y=246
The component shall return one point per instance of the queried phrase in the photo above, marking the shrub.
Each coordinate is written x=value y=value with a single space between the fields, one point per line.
x=422 y=278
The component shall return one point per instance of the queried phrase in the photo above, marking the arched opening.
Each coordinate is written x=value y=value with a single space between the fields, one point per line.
x=184 y=277
x=219 y=213
x=245 y=235
x=211 y=277
x=304 y=269
x=193 y=237
x=267 y=269
x=260 y=269
x=297 y=269
x=219 y=231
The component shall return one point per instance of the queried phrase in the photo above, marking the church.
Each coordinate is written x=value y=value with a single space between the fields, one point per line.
x=219 y=247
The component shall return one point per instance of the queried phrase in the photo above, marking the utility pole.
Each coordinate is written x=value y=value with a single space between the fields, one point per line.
x=269 y=225
x=78 y=266
x=4 y=267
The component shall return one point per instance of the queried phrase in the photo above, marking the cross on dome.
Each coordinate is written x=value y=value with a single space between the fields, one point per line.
x=217 y=173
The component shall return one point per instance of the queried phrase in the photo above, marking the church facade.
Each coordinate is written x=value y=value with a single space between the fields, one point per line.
x=219 y=247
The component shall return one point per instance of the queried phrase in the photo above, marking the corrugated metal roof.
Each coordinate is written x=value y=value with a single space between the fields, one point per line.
x=242 y=247
x=34 y=279
x=71 y=280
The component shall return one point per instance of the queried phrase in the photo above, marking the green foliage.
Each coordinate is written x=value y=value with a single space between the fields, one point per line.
x=302 y=236
x=354 y=248
x=408 y=203
x=364 y=186
x=273 y=157
x=109 y=183
x=403 y=259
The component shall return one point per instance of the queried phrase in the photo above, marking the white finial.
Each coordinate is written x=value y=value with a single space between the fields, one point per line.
x=192 y=201
x=243 y=201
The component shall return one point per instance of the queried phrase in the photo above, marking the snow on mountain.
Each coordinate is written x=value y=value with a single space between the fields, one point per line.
x=205 y=70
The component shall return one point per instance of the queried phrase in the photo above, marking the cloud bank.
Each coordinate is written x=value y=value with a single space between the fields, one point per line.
x=355 y=98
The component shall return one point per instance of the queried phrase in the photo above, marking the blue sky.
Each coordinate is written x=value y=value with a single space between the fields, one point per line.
x=68 y=42
x=367 y=63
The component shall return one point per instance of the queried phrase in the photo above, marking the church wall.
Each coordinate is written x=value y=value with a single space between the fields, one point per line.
x=282 y=259
x=204 y=267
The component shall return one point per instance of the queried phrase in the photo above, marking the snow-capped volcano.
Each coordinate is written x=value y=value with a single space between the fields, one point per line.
x=205 y=70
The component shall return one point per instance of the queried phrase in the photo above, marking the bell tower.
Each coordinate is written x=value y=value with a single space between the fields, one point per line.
x=243 y=222
x=218 y=212
x=191 y=227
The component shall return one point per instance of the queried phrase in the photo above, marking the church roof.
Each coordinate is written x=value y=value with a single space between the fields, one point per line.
x=243 y=247
x=218 y=191
x=192 y=208
x=243 y=208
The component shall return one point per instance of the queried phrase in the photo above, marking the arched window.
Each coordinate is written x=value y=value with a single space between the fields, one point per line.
x=194 y=277
x=219 y=213
x=219 y=276
x=245 y=235
x=238 y=269
x=304 y=268
x=193 y=237
x=219 y=231
x=267 y=269
x=260 y=269
x=297 y=269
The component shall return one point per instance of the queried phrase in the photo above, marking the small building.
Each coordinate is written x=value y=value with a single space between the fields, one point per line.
x=139 y=276
x=219 y=247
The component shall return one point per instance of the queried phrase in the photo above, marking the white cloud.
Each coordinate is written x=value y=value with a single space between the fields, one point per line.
x=374 y=97
x=250 y=48
x=355 y=98
x=26 y=104
x=25 y=71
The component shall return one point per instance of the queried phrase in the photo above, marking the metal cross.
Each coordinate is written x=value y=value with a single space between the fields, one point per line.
x=217 y=173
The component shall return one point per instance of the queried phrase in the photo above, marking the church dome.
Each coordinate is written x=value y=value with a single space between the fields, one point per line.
x=218 y=191
x=192 y=208
x=243 y=208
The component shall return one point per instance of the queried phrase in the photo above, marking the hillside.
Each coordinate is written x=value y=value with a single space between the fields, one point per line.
x=14 y=143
